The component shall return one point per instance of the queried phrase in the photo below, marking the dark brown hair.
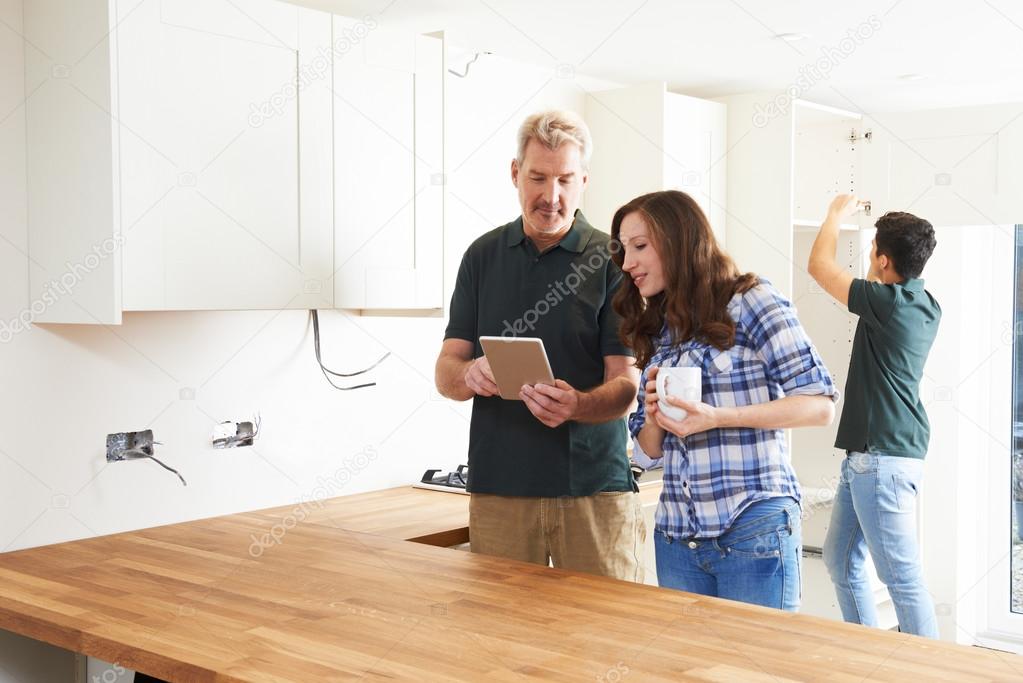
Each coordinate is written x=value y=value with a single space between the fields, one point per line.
x=907 y=240
x=700 y=278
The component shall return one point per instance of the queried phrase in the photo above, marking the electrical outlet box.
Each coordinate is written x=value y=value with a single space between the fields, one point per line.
x=128 y=445
x=235 y=434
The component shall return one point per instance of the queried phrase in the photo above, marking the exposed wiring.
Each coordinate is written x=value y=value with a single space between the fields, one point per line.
x=327 y=372
x=139 y=453
x=470 y=63
x=242 y=435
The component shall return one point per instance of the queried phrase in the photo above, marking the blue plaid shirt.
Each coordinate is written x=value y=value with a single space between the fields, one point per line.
x=711 y=477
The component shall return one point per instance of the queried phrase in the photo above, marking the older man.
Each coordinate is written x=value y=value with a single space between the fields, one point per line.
x=549 y=476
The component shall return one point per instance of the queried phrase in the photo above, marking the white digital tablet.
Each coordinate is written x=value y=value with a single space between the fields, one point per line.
x=516 y=361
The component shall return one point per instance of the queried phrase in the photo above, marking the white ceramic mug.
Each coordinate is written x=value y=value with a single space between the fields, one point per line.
x=685 y=383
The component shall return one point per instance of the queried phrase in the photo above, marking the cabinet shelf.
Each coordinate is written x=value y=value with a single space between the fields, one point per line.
x=806 y=225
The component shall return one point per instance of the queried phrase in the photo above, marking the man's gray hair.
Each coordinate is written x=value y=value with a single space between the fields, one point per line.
x=552 y=128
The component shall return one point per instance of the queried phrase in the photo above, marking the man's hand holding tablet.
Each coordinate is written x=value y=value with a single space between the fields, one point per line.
x=522 y=372
x=552 y=405
x=480 y=378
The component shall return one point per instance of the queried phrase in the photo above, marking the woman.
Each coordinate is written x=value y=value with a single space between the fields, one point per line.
x=728 y=522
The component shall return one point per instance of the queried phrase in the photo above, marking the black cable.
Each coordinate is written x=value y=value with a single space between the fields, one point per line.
x=327 y=372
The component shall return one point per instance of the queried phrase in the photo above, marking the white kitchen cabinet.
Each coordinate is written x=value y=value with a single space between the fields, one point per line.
x=194 y=136
x=960 y=166
x=73 y=163
x=389 y=171
x=646 y=139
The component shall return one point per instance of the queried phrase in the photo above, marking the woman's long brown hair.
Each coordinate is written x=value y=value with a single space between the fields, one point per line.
x=700 y=278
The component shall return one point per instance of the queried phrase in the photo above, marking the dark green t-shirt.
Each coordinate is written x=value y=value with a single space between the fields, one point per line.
x=883 y=413
x=563 y=296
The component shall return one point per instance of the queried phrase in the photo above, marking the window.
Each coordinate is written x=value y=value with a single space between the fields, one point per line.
x=1016 y=574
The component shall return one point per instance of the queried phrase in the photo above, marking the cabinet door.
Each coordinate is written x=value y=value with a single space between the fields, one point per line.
x=953 y=166
x=826 y=164
x=225 y=155
x=646 y=139
x=388 y=185
x=694 y=154
x=627 y=127
x=71 y=144
x=760 y=177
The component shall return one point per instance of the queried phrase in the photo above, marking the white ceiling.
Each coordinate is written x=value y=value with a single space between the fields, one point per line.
x=971 y=50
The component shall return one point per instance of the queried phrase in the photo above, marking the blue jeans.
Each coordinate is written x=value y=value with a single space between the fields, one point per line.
x=875 y=511
x=755 y=561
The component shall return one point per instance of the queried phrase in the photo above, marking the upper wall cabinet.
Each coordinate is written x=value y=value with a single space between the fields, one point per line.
x=388 y=165
x=225 y=156
x=646 y=139
x=960 y=166
x=73 y=167
x=196 y=137
x=188 y=155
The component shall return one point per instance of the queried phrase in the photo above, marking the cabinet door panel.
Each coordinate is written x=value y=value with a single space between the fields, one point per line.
x=388 y=133
x=827 y=164
x=918 y=180
x=687 y=158
x=374 y=183
x=694 y=159
x=953 y=167
x=212 y=172
x=74 y=262
x=626 y=123
x=428 y=232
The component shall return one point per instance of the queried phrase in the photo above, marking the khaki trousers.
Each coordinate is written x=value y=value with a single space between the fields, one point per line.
x=599 y=534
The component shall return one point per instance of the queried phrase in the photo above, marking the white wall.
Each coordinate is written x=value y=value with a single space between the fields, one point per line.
x=67 y=386
x=21 y=659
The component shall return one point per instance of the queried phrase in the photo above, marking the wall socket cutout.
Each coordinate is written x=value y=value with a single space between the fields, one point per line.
x=234 y=434
x=130 y=445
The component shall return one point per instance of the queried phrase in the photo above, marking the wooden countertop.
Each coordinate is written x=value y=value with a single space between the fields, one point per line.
x=194 y=602
x=404 y=513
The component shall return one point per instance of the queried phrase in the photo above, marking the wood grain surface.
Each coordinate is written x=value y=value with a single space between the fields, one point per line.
x=341 y=595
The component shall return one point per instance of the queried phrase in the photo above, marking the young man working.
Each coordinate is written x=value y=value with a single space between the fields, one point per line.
x=884 y=428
